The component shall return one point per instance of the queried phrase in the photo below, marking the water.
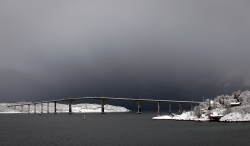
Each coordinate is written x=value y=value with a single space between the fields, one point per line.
x=116 y=129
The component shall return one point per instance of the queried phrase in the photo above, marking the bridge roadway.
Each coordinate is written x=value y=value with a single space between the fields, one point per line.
x=102 y=99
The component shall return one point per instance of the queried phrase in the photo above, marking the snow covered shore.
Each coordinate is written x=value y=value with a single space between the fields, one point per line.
x=185 y=116
x=231 y=117
x=236 y=117
x=62 y=108
x=224 y=108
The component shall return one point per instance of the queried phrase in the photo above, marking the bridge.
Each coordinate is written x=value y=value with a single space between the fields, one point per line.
x=103 y=99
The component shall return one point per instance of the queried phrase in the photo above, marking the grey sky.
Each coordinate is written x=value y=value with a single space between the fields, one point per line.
x=183 y=49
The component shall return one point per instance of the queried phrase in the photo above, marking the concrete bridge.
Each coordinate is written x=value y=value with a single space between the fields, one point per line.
x=103 y=99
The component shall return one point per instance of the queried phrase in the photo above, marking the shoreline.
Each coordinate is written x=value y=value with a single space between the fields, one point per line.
x=188 y=116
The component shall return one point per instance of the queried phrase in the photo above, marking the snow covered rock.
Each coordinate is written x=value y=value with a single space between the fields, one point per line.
x=236 y=117
x=186 y=116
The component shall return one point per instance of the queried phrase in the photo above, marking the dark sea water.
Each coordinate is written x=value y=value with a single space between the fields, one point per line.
x=116 y=129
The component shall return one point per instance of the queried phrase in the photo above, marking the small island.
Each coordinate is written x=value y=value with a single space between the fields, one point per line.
x=223 y=108
x=61 y=108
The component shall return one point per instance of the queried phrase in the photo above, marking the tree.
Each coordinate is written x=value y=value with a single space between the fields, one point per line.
x=236 y=95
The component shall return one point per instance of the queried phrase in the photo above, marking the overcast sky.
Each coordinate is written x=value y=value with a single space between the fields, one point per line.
x=159 y=49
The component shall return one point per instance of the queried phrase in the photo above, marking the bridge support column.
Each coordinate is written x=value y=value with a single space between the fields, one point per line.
x=139 y=108
x=102 y=104
x=180 y=105
x=70 y=109
x=21 y=108
x=159 y=108
x=28 y=108
x=55 y=107
x=169 y=106
x=47 y=107
x=34 y=108
x=41 y=107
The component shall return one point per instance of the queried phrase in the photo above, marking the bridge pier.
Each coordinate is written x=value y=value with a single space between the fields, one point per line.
x=21 y=108
x=47 y=107
x=159 y=108
x=169 y=106
x=139 y=108
x=41 y=107
x=102 y=109
x=28 y=108
x=70 y=109
x=55 y=107
x=180 y=105
x=34 y=108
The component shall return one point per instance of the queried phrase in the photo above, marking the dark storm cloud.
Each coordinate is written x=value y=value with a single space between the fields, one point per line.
x=177 y=49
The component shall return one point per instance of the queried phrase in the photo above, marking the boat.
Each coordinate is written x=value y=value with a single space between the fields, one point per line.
x=214 y=116
x=235 y=104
